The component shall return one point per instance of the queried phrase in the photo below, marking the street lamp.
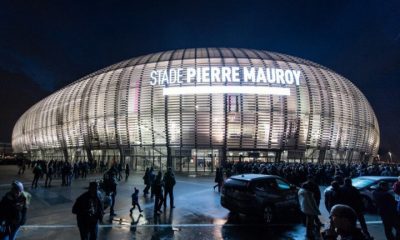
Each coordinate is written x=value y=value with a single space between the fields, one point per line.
x=390 y=155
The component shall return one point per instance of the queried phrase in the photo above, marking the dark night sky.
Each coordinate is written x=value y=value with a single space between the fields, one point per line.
x=45 y=45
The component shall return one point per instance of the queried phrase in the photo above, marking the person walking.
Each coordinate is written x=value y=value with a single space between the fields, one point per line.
x=350 y=196
x=65 y=173
x=332 y=196
x=135 y=201
x=110 y=188
x=219 y=179
x=127 y=170
x=309 y=208
x=169 y=183
x=21 y=165
x=13 y=208
x=316 y=194
x=49 y=174
x=152 y=178
x=37 y=172
x=89 y=212
x=387 y=210
x=146 y=181
x=119 y=171
x=158 y=192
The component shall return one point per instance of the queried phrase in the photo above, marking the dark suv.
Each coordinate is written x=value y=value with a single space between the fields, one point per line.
x=257 y=194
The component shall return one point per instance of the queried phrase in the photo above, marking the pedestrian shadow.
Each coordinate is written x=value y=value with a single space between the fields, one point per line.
x=134 y=223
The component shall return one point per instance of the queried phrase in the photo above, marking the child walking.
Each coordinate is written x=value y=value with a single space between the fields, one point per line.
x=135 y=201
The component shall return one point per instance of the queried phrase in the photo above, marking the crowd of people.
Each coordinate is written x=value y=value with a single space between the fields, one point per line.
x=324 y=174
x=342 y=200
x=66 y=171
x=89 y=207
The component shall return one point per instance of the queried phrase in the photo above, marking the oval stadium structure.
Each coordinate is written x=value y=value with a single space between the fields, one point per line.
x=195 y=109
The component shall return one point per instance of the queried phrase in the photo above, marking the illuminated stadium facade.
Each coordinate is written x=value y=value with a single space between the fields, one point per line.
x=194 y=109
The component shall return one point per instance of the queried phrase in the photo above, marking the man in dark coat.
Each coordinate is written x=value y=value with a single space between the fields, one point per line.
x=332 y=196
x=387 y=210
x=169 y=183
x=152 y=178
x=13 y=209
x=127 y=170
x=350 y=196
x=89 y=211
x=37 y=172
x=146 y=181
x=110 y=188
x=157 y=188
x=219 y=179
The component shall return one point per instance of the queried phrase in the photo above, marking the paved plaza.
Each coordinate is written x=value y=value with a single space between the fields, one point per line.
x=198 y=213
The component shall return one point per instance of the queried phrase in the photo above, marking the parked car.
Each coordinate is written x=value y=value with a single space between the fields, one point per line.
x=260 y=195
x=366 y=185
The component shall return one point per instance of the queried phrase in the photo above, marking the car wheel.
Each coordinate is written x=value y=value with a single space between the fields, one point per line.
x=268 y=214
x=367 y=203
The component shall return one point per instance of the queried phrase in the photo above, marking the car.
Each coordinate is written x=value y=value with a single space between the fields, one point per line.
x=259 y=195
x=366 y=185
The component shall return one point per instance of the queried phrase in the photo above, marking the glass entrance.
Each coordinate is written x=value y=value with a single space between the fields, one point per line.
x=250 y=156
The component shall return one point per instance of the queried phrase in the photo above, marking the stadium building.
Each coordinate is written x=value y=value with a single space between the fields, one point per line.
x=194 y=109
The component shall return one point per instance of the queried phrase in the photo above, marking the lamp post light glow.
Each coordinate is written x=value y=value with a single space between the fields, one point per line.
x=390 y=155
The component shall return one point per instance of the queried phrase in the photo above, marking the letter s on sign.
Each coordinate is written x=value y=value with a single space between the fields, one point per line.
x=153 y=76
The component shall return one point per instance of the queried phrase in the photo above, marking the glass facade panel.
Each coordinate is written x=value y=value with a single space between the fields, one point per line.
x=117 y=113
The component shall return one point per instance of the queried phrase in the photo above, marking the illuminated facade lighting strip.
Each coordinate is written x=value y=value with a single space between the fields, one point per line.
x=173 y=91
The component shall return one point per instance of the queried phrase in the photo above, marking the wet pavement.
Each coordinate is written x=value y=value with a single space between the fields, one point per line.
x=198 y=213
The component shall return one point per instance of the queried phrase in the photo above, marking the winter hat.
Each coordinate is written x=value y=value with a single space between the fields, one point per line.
x=17 y=185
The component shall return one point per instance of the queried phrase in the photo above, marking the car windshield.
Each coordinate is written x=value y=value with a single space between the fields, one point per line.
x=361 y=182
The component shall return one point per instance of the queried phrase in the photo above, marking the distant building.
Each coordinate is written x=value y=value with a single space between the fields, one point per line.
x=194 y=109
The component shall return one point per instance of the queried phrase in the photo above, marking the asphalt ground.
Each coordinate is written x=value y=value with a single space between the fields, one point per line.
x=198 y=213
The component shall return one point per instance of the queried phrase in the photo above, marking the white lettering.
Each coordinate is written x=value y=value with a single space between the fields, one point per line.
x=164 y=79
x=296 y=74
x=235 y=74
x=205 y=72
x=191 y=72
x=289 y=77
x=172 y=76
x=261 y=75
x=226 y=74
x=179 y=75
x=215 y=72
x=248 y=74
x=198 y=75
x=153 y=75
x=279 y=76
x=270 y=75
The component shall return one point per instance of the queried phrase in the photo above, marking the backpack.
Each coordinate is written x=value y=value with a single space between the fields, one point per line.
x=396 y=188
